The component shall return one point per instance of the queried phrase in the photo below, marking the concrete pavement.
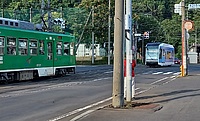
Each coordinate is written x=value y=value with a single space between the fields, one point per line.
x=177 y=100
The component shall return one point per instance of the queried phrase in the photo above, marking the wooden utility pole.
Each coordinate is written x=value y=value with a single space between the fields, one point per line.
x=184 y=43
x=118 y=78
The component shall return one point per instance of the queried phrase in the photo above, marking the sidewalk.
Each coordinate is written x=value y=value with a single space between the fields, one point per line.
x=177 y=100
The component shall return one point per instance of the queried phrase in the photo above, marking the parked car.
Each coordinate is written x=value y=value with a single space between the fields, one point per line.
x=177 y=61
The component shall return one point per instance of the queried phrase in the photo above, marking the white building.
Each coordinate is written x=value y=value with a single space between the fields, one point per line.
x=84 y=50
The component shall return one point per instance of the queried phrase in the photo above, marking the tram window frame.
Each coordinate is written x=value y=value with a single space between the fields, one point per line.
x=59 y=48
x=33 y=45
x=11 y=45
x=66 y=48
x=41 y=47
x=2 y=45
x=23 y=50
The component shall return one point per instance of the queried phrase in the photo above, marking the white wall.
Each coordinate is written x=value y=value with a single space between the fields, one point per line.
x=87 y=51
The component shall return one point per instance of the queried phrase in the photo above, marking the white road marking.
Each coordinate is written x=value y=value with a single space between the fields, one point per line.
x=167 y=73
x=157 y=73
x=177 y=73
x=108 y=72
x=159 y=80
x=78 y=110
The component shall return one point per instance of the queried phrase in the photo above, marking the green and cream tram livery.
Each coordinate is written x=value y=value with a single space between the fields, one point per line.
x=26 y=54
x=159 y=54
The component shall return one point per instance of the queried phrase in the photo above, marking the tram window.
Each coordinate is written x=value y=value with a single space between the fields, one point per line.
x=49 y=44
x=169 y=55
x=11 y=46
x=11 y=23
x=72 y=48
x=66 y=48
x=33 y=47
x=23 y=46
x=41 y=47
x=1 y=22
x=1 y=45
x=59 y=48
x=160 y=54
x=16 y=24
x=6 y=22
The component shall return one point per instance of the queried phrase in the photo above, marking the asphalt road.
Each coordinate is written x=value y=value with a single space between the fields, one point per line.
x=69 y=96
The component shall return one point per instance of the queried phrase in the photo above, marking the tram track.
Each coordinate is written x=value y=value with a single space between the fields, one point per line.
x=51 y=82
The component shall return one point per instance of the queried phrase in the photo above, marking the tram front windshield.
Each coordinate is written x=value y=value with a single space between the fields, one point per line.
x=151 y=52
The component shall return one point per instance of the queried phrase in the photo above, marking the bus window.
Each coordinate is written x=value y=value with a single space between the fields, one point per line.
x=41 y=49
x=23 y=46
x=49 y=45
x=59 y=48
x=1 y=45
x=11 y=46
x=33 y=47
x=66 y=48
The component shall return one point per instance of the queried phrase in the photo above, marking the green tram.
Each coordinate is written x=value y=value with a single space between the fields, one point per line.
x=27 y=54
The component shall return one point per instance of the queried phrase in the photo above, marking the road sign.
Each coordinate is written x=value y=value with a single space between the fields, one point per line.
x=138 y=35
x=188 y=24
x=177 y=8
x=193 y=6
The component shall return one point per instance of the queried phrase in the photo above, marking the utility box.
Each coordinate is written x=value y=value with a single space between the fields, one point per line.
x=193 y=57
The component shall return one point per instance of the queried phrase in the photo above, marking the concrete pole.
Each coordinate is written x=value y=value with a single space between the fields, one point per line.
x=118 y=97
x=109 y=34
x=184 y=44
x=128 y=32
x=92 y=35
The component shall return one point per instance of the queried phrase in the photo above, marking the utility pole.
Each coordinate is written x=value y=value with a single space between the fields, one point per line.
x=128 y=32
x=184 y=43
x=195 y=49
x=118 y=80
x=109 y=34
x=143 y=54
x=49 y=17
x=93 y=35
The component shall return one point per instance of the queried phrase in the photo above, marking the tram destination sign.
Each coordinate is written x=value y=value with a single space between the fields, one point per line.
x=193 y=6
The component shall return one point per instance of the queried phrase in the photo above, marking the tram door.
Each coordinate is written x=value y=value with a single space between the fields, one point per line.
x=50 y=58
